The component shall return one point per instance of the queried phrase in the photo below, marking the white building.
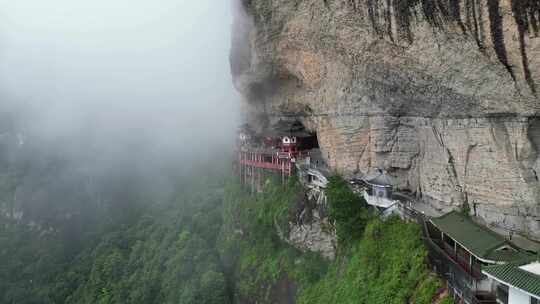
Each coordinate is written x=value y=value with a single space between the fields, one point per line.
x=515 y=283
x=379 y=193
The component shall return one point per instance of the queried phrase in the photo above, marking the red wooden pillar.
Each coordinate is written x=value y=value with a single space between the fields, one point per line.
x=290 y=168
x=245 y=168
x=240 y=165
x=252 y=172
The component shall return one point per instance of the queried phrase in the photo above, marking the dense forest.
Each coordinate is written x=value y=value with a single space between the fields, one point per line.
x=139 y=251
x=78 y=229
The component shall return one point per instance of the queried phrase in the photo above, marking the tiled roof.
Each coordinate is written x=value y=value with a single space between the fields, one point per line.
x=507 y=255
x=511 y=274
x=379 y=177
x=478 y=240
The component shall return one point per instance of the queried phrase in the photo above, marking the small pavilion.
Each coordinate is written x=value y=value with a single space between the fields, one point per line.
x=380 y=191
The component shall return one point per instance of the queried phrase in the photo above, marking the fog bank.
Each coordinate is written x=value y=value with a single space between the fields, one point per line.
x=104 y=103
x=118 y=77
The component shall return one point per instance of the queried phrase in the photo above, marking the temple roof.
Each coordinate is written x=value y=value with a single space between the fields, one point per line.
x=517 y=276
x=379 y=178
x=481 y=242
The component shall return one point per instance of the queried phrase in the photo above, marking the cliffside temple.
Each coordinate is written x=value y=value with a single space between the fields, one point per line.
x=281 y=150
x=442 y=94
x=460 y=249
x=379 y=193
x=516 y=283
x=430 y=109
x=479 y=265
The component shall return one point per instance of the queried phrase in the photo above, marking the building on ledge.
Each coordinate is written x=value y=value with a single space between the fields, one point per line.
x=313 y=171
x=275 y=150
x=515 y=283
x=380 y=190
x=459 y=249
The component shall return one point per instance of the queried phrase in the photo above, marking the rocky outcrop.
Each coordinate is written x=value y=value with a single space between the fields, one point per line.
x=443 y=94
x=310 y=228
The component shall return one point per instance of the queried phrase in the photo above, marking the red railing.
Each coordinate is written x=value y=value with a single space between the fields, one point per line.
x=459 y=260
x=448 y=249
x=266 y=160
x=264 y=165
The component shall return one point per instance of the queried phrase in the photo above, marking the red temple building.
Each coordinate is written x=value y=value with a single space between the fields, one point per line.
x=275 y=150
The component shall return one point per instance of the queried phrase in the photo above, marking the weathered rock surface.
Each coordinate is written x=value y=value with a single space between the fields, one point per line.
x=443 y=94
x=309 y=226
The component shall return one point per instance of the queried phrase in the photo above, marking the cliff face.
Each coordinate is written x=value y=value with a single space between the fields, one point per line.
x=443 y=94
x=310 y=228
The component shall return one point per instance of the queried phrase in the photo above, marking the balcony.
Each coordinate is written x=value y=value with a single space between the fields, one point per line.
x=461 y=261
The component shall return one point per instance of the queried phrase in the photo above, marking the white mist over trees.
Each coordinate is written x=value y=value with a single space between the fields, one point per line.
x=117 y=122
x=119 y=76
x=105 y=100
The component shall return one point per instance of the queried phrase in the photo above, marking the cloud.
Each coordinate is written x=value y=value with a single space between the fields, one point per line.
x=119 y=73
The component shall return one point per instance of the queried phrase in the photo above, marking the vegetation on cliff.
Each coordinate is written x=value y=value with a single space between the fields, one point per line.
x=386 y=266
x=348 y=211
x=379 y=261
x=259 y=260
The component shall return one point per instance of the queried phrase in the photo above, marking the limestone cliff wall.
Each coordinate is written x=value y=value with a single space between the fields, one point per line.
x=443 y=93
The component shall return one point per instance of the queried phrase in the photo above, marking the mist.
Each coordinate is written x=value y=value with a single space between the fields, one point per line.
x=123 y=74
x=110 y=92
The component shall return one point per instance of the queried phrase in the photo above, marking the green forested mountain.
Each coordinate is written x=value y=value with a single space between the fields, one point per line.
x=163 y=254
